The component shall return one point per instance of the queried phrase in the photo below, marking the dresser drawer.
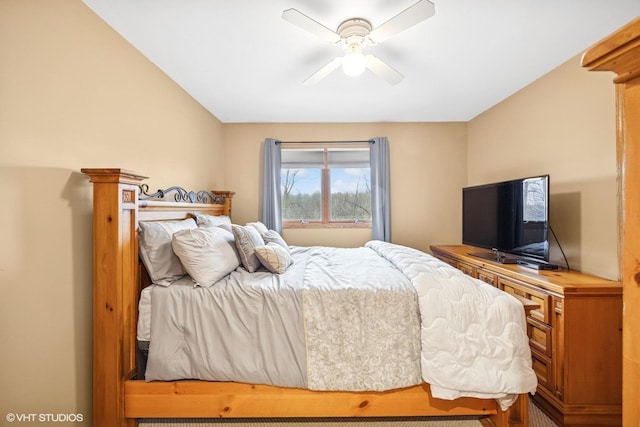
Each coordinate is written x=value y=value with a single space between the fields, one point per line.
x=452 y=262
x=539 y=297
x=488 y=277
x=539 y=336
x=543 y=368
x=467 y=269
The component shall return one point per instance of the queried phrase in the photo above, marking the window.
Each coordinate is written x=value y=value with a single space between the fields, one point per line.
x=326 y=185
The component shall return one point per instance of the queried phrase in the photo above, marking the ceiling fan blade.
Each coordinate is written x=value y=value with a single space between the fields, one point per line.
x=409 y=17
x=383 y=70
x=303 y=21
x=324 y=71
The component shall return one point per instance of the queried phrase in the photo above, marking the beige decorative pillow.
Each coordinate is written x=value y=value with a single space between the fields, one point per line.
x=274 y=257
x=156 y=252
x=207 y=253
x=247 y=238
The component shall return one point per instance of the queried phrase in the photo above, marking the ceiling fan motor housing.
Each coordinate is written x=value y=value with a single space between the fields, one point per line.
x=353 y=33
x=354 y=27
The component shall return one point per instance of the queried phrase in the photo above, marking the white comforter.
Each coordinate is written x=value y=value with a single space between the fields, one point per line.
x=474 y=340
x=435 y=324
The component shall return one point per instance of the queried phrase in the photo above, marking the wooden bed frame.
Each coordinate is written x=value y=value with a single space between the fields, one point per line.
x=119 y=399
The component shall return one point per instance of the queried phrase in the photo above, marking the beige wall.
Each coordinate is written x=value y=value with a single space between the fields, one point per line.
x=427 y=163
x=74 y=94
x=562 y=124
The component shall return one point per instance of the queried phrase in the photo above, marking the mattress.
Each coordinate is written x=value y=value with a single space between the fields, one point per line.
x=144 y=317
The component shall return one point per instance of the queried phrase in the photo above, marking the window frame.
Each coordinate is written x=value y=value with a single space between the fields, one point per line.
x=325 y=187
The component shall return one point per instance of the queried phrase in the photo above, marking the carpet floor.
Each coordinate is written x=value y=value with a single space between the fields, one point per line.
x=536 y=419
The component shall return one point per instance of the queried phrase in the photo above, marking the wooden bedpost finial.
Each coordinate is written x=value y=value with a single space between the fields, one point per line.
x=113 y=175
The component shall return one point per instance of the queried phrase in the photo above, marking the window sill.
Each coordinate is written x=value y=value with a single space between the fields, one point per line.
x=299 y=225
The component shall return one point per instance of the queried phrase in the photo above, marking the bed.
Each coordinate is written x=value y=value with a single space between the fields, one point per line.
x=121 y=395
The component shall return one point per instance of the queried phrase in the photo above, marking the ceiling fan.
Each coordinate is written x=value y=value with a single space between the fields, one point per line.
x=355 y=34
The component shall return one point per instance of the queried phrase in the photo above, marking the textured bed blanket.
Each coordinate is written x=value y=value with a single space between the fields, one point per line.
x=362 y=323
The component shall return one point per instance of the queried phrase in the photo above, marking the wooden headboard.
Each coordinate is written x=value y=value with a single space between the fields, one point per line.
x=176 y=203
x=120 y=202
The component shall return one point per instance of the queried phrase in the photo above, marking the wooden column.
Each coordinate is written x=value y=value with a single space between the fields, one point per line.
x=228 y=198
x=620 y=53
x=115 y=290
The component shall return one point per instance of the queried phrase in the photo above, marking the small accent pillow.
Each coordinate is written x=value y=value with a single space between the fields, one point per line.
x=274 y=257
x=260 y=227
x=207 y=253
x=214 y=221
x=272 y=236
x=156 y=252
x=247 y=238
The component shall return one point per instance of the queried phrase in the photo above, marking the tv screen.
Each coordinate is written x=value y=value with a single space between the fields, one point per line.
x=510 y=216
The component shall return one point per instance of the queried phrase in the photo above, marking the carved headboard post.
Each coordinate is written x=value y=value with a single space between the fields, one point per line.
x=115 y=296
x=228 y=197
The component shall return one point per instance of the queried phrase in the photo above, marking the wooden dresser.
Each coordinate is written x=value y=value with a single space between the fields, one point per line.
x=575 y=334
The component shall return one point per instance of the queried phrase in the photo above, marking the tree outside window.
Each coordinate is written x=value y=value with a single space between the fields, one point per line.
x=328 y=185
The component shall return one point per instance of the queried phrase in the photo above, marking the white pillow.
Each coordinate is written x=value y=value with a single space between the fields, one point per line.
x=205 y=220
x=207 y=253
x=156 y=252
x=272 y=236
x=247 y=238
x=260 y=227
x=274 y=257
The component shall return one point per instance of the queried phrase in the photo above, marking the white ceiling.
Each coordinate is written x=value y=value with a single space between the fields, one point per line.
x=244 y=63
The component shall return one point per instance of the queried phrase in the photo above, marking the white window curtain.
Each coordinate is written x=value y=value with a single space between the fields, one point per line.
x=380 y=189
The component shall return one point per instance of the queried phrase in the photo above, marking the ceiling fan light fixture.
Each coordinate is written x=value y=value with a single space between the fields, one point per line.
x=354 y=62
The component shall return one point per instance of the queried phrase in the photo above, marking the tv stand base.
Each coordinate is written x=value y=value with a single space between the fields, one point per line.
x=496 y=257
x=537 y=266
x=502 y=259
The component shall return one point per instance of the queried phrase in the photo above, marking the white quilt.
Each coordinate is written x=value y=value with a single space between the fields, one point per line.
x=474 y=339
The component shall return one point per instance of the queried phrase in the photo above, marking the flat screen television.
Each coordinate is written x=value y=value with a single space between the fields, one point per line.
x=511 y=217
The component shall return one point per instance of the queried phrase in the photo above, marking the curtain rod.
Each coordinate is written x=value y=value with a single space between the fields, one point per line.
x=372 y=141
